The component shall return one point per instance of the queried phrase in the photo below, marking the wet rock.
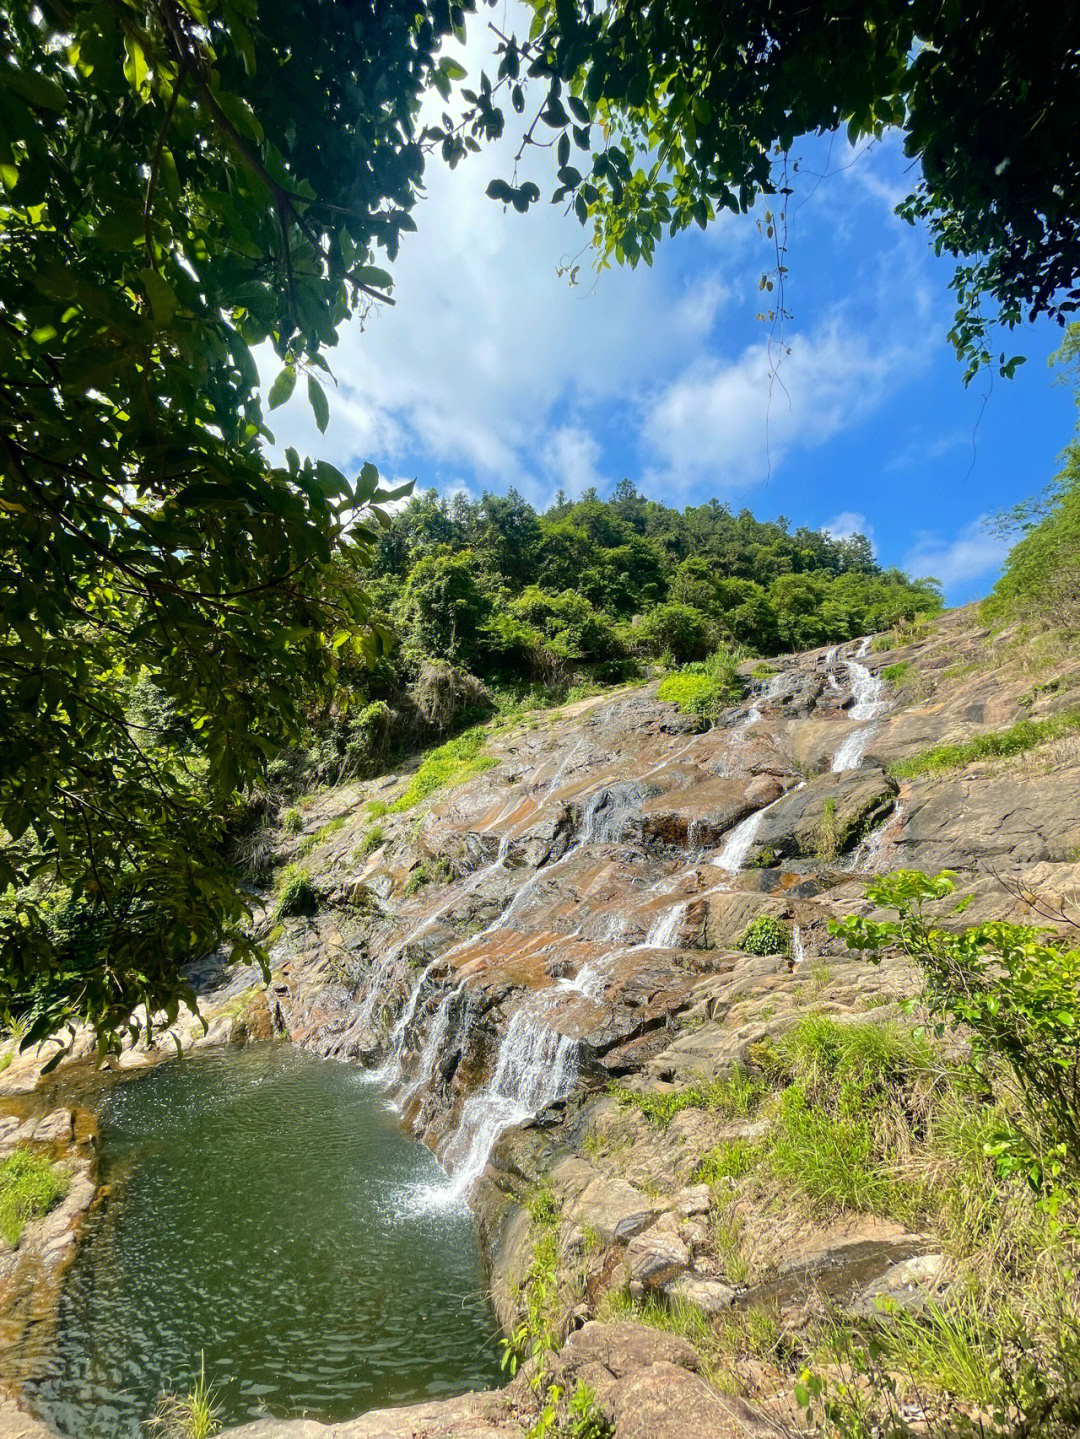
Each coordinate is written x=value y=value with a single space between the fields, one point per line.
x=654 y=1257
x=827 y=814
x=709 y=1294
x=904 y=1286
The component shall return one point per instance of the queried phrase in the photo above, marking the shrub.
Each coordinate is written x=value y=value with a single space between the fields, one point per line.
x=29 y=1187
x=292 y=823
x=1017 y=995
x=766 y=935
x=442 y=693
x=676 y=629
x=297 y=894
x=704 y=689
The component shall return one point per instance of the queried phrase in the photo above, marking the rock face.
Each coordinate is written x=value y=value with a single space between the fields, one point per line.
x=31 y=1274
x=585 y=926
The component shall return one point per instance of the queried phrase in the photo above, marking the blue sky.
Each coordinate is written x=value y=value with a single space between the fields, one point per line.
x=491 y=371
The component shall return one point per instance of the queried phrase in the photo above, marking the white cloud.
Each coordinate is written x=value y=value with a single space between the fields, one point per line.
x=973 y=553
x=848 y=523
x=731 y=422
x=489 y=363
x=570 y=457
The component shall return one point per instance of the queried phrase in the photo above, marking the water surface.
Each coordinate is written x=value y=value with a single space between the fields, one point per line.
x=267 y=1212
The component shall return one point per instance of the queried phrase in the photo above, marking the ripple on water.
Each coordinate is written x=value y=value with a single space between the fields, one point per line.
x=268 y=1212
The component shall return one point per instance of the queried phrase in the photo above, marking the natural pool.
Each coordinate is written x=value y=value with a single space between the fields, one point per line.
x=268 y=1213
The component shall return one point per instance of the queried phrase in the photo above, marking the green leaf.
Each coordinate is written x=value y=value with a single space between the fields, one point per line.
x=38 y=90
x=371 y=275
x=161 y=295
x=319 y=404
x=282 y=388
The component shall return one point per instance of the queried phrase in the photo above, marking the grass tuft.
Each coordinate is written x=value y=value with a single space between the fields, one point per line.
x=193 y=1415
x=30 y=1185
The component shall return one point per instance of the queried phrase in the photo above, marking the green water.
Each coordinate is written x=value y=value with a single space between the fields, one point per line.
x=267 y=1212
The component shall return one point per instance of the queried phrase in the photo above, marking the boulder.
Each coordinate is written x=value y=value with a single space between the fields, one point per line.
x=654 y=1257
x=712 y=1295
x=829 y=811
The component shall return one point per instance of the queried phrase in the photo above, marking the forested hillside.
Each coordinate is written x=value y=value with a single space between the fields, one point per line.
x=594 y=591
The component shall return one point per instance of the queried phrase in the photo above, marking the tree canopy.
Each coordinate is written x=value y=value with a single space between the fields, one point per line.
x=181 y=182
x=663 y=116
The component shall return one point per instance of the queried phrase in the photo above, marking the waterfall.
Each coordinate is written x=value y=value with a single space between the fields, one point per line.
x=664 y=930
x=389 y=1072
x=379 y=976
x=557 y=777
x=864 y=648
x=536 y=1066
x=434 y=1045
x=754 y=714
x=830 y=656
x=737 y=845
x=864 y=856
x=798 y=949
x=866 y=694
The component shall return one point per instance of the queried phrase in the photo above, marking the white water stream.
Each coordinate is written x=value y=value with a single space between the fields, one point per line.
x=866 y=691
x=536 y=1066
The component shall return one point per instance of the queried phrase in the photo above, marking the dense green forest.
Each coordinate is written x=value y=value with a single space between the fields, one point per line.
x=481 y=601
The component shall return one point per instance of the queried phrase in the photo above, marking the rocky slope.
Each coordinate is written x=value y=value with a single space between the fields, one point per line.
x=572 y=916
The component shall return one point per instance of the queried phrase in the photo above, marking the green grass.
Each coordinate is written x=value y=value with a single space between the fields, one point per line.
x=371 y=842
x=6 y=1060
x=376 y=808
x=736 y=1094
x=895 y=674
x=297 y=893
x=726 y=1161
x=331 y=827
x=452 y=763
x=193 y=1415
x=997 y=744
x=30 y=1185
x=292 y=823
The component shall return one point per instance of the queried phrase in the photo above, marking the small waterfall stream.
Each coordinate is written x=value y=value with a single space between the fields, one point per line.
x=866 y=691
x=536 y=1066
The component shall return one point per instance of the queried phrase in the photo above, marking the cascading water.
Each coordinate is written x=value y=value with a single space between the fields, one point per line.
x=798 y=948
x=536 y=1067
x=435 y=1043
x=389 y=1072
x=754 y=714
x=665 y=929
x=866 y=695
x=865 y=856
x=737 y=845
